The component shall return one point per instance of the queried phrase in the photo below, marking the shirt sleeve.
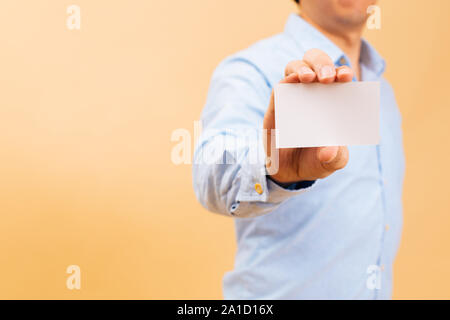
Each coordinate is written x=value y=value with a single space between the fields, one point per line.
x=229 y=173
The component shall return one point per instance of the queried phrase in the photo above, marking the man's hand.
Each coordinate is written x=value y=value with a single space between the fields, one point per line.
x=303 y=164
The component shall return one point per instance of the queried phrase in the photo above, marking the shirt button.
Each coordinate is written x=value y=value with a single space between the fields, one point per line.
x=258 y=188
x=342 y=61
x=382 y=267
x=386 y=227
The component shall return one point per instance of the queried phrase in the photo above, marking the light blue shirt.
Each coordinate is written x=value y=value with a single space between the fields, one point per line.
x=336 y=239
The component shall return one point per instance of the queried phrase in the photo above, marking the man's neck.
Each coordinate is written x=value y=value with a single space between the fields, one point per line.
x=349 y=42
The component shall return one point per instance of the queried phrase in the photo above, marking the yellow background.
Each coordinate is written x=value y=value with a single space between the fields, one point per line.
x=86 y=118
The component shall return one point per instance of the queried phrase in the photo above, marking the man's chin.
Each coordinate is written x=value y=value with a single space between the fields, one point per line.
x=351 y=12
x=355 y=20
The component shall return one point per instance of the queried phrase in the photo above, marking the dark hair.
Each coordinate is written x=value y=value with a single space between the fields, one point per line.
x=297 y=1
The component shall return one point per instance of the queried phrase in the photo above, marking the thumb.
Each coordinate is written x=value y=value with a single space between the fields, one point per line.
x=327 y=154
x=333 y=158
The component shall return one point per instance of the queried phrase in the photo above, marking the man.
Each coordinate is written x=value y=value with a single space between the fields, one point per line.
x=327 y=223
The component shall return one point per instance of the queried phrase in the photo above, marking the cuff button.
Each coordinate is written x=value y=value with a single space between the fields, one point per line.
x=258 y=188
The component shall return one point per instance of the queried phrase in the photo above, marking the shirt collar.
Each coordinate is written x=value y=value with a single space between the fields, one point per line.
x=308 y=37
x=372 y=59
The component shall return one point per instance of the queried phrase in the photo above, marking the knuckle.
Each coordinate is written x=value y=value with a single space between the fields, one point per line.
x=292 y=64
x=329 y=168
x=313 y=52
x=324 y=170
x=316 y=55
x=290 y=67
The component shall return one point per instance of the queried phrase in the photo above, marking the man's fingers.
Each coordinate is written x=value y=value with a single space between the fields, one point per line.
x=344 y=74
x=333 y=158
x=301 y=70
x=322 y=65
x=306 y=74
x=292 y=78
x=316 y=65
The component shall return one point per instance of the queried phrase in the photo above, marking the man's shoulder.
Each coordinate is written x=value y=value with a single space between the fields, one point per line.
x=268 y=56
x=277 y=46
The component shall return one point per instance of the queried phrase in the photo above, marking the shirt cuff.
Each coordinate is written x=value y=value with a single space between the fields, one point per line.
x=278 y=194
x=256 y=186
x=295 y=185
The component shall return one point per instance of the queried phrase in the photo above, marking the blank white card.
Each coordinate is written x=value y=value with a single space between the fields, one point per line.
x=339 y=114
